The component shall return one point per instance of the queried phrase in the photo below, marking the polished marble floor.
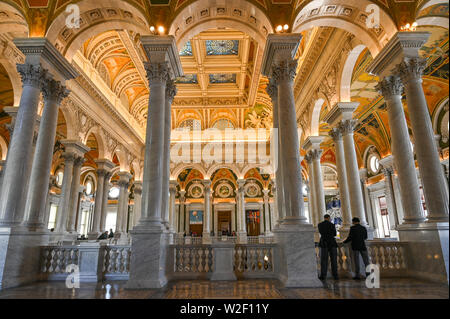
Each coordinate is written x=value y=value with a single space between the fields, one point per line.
x=248 y=289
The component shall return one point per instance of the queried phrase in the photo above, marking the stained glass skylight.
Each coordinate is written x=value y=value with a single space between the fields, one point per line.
x=222 y=47
x=187 y=79
x=186 y=50
x=222 y=78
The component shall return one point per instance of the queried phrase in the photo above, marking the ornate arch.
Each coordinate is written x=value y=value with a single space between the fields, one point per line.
x=3 y=147
x=96 y=132
x=347 y=72
x=96 y=17
x=177 y=170
x=349 y=15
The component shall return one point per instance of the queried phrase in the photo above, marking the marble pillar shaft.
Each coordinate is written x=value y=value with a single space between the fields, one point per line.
x=318 y=184
x=207 y=209
x=53 y=93
x=342 y=178
x=98 y=200
x=104 y=209
x=64 y=199
x=74 y=194
x=312 y=193
x=391 y=89
x=432 y=176
x=172 y=212
x=351 y=166
x=283 y=74
x=137 y=202
x=157 y=74
x=15 y=173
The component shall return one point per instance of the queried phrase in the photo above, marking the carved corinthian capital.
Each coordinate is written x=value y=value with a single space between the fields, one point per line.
x=53 y=90
x=32 y=75
x=157 y=72
x=171 y=90
x=272 y=90
x=390 y=86
x=347 y=126
x=411 y=69
x=284 y=71
x=315 y=154
x=335 y=134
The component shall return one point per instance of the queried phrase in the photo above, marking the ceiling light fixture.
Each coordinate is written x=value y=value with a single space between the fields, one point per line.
x=161 y=29
x=152 y=29
x=285 y=27
x=279 y=28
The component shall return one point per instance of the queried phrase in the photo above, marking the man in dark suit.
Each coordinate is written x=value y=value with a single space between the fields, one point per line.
x=328 y=247
x=357 y=236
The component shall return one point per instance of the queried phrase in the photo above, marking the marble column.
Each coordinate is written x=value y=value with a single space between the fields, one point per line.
x=64 y=199
x=388 y=172
x=391 y=88
x=366 y=197
x=266 y=218
x=137 y=202
x=172 y=212
x=295 y=236
x=283 y=74
x=104 y=166
x=33 y=76
x=152 y=189
x=182 y=213
x=346 y=128
x=171 y=91
x=280 y=197
x=312 y=191
x=342 y=179
x=242 y=227
x=53 y=93
x=432 y=176
x=207 y=212
x=74 y=196
x=106 y=188
x=122 y=204
x=318 y=184
x=275 y=211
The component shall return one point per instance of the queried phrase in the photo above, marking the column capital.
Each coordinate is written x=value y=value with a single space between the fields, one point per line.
x=53 y=90
x=284 y=71
x=279 y=47
x=272 y=90
x=69 y=157
x=137 y=187
x=390 y=86
x=171 y=90
x=313 y=142
x=101 y=172
x=266 y=193
x=411 y=69
x=75 y=146
x=160 y=49
x=32 y=75
x=41 y=51
x=340 y=111
x=347 y=126
x=105 y=164
x=173 y=187
x=335 y=134
x=157 y=72
x=308 y=159
x=315 y=154
x=79 y=161
x=387 y=162
x=241 y=183
x=124 y=176
x=207 y=184
x=402 y=45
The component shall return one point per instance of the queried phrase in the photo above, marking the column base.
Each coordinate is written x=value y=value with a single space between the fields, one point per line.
x=241 y=238
x=20 y=252
x=149 y=253
x=206 y=238
x=296 y=256
x=223 y=262
x=428 y=253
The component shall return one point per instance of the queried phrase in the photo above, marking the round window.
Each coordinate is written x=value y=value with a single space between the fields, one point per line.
x=305 y=190
x=114 y=192
x=59 y=178
x=89 y=188
x=374 y=164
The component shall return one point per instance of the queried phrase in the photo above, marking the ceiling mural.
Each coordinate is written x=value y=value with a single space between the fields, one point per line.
x=222 y=47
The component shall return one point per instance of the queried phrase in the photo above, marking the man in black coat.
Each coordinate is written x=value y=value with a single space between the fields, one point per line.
x=357 y=236
x=328 y=247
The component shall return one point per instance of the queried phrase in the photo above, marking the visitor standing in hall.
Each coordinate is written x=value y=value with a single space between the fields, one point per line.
x=358 y=236
x=328 y=247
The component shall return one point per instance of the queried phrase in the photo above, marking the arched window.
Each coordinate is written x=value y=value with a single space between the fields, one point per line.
x=223 y=124
x=59 y=177
x=191 y=124
x=114 y=192
x=373 y=164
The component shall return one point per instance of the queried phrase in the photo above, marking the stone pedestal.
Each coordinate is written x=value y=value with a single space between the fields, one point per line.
x=223 y=261
x=20 y=256
x=296 y=256
x=148 y=259
x=429 y=250
x=241 y=237
x=91 y=256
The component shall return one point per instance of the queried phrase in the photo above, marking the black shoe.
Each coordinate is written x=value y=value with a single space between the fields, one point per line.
x=321 y=278
x=336 y=278
x=367 y=274
x=356 y=278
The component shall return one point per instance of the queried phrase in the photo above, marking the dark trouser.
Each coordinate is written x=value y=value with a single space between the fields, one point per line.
x=365 y=257
x=324 y=252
